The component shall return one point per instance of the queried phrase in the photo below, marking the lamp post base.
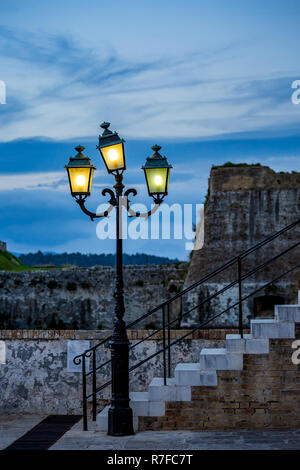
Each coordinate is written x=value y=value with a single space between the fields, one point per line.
x=120 y=422
x=120 y=417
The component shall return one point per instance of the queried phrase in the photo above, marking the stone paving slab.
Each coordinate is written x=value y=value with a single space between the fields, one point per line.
x=14 y=426
x=179 y=440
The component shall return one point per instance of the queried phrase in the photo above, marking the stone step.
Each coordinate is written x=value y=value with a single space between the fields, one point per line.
x=191 y=374
x=138 y=396
x=247 y=344
x=142 y=405
x=170 y=392
x=204 y=373
x=102 y=420
x=220 y=359
x=270 y=328
x=290 y=313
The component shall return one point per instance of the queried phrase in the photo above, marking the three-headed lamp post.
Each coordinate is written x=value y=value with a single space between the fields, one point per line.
x=80 y=172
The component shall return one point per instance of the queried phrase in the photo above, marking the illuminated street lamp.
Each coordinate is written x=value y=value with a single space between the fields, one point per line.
x=157 y=172
x=111 y=148
x=80 y=172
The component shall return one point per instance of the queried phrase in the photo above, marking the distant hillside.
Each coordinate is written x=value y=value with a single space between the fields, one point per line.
x=9 y=262
x=82 y=260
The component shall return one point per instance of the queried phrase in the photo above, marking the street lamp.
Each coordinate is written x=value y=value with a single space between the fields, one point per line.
x=111 y=148
x=80 y=172
x=157 y=172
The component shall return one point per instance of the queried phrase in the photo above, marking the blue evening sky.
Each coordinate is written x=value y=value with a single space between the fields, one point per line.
x=210 y=81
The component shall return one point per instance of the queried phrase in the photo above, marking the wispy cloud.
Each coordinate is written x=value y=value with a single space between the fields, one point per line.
x=59 y=88
x=33 y=181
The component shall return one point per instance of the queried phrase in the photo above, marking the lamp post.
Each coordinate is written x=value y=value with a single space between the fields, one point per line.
x=80 y=173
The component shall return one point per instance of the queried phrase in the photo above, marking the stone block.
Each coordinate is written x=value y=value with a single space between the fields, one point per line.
x=191 y=374
x=270 y=328
x=2 y=352
x=236 y=344
x=170 y=392
x=288 y=313
x=247 y=344
x=74 y=348
x=257 y=346
x=142 y=406
x=220 y=359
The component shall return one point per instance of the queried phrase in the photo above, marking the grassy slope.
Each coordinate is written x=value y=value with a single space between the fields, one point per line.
x=9 y=262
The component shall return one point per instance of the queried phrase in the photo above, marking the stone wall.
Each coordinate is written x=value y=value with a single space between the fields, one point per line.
x=2 y=246
x=35 y=377
x=83 y=298
x=264 y=395
x=245 y=205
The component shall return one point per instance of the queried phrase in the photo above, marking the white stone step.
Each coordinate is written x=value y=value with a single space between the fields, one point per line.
x=142 y=406
x=102 y=420
x=270 y=328
x=290 y=313
x=191 y=374
x=138 y=396
x=247 y=344
x=220 y=359
x=170 y=392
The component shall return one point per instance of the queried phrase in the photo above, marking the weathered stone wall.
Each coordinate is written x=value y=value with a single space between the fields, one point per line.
x=35 y=377
x=2 y=246
x=245 y=206
x=264 y=395
x=83 y=298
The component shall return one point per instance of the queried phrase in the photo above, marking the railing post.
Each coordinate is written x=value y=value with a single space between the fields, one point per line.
x=94 y=386
x=84 y=404
x=240 y=297
x=169 y=341
x=164 y=343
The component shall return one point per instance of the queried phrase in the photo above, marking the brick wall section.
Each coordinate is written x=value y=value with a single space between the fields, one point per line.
x=211 y=335
x=264 y=395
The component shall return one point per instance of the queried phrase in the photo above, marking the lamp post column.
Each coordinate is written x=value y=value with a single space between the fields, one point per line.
x=120 y=420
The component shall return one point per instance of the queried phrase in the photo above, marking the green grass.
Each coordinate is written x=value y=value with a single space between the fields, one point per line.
x=9 y=262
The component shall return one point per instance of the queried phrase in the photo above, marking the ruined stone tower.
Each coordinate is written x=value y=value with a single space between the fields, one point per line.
x=2 y=246
x=245 y=205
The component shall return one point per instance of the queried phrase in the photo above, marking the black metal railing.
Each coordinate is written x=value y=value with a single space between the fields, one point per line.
x=167 y=323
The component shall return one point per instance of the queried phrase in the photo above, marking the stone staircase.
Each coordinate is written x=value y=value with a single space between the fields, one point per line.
x=205 y=372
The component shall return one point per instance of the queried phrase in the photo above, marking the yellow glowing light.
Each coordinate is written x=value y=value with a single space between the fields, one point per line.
x=80 y=180
x=158 y=180
x=113 y=155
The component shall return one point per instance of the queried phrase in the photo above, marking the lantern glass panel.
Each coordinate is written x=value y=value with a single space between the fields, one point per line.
x=157 y=180
x=80 y=180
x=113 y=156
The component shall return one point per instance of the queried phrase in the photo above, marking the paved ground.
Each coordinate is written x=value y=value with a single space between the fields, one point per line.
x=13 y=427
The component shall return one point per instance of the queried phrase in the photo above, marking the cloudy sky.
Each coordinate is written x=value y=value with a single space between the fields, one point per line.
x=210 y=81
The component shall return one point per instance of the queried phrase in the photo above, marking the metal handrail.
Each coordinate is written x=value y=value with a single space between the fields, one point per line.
x=167 y=324
x=232 y=284
x=196 y=284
